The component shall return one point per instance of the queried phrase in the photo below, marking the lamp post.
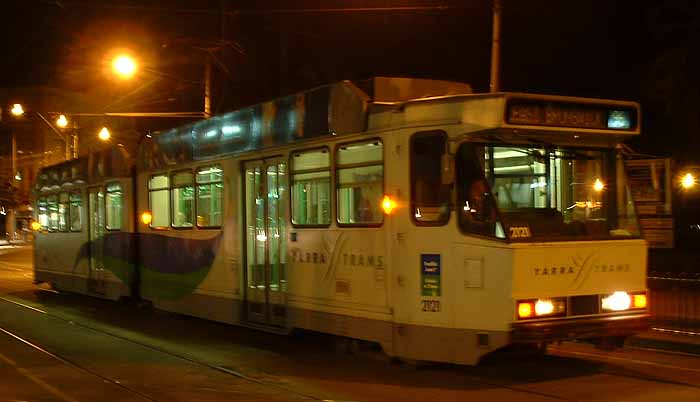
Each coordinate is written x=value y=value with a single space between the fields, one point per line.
x=17 y=111
x=71 y=146
x=125 y=67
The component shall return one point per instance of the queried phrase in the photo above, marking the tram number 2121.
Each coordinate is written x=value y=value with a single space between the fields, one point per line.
x=431 y=306
x=519 y=232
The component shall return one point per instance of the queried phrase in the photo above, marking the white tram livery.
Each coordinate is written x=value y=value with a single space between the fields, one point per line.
x=438 y=223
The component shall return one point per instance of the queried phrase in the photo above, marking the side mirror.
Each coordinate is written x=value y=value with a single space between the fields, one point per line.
x=447 y=168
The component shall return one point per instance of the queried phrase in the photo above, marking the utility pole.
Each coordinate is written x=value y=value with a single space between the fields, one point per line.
x=10 y=224
x=207 y=86
x=14 y=159
x=494 y=84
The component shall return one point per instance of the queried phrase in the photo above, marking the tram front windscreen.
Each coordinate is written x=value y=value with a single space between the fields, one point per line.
x=544 y=193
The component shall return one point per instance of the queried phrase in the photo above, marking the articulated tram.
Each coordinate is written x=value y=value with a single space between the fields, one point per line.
x=437 y=223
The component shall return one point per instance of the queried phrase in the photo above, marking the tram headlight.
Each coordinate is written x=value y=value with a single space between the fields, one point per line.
x=618 y=301
x=536 y=308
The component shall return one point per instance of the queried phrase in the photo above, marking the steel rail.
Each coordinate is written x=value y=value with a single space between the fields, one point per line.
x=636 y=362
x=245 y=377
x=188 y=359
x=72 y=364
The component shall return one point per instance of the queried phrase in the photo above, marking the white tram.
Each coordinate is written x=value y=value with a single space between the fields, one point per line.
x=435 y=222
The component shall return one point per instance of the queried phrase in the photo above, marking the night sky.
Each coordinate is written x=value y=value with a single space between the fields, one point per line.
x=617 y=49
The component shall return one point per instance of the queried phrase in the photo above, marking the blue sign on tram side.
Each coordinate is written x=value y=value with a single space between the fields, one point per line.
x=430 y=274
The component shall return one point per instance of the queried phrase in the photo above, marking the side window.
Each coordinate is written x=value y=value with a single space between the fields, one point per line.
x=311 y=187
x=114 y=203
x=182 y=194
x=430 y=199
x=159 y=201
x=63 y=212
x=42 y=213
x=210 y=191
x=52 y=203
x=360 y=183
x=76 y=212
x=476 y=206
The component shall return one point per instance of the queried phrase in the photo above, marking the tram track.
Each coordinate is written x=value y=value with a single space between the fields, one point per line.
x=248 y=378
x=67 y=362
x=191 y=360
x=638 y=362
x=242 y=376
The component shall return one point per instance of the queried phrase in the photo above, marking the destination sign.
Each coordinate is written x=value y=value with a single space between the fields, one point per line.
x=543 y=113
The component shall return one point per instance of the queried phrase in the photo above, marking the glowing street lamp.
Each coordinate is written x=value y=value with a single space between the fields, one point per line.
x=17 y=109
x=62 y=121
x=598 y=186
x=124 y=66
x=688 y=181
x=104 y=134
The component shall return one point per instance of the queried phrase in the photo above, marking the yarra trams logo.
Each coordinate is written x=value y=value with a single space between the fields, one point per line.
x=580 y=268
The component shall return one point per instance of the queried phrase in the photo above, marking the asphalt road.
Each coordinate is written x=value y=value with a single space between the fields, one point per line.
x=63 y=347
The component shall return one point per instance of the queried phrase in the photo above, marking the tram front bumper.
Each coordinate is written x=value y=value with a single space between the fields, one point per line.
x=580 y=328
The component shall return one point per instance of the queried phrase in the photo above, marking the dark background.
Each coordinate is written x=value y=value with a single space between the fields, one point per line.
x=56 y=54
x=643 y=51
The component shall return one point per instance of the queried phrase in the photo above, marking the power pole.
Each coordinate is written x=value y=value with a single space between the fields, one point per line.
x=494 y=84
x=207 y=86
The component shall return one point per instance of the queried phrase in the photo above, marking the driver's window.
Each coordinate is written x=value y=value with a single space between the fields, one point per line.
x=476 y=210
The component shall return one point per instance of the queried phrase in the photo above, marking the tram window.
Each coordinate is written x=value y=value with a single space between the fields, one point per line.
x=311 y=188
x=182 y=194
x=42 y=213
x=360 y=183
x=209 y=196
x=476 y=207
x=63 y=212
x=52 y=203
x=159 y=201
x=430 y=198
x=114 y=203
x=75 y=213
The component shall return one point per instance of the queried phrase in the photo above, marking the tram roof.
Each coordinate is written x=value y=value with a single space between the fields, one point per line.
x=331 y=110
x=92 y=168
x=351 y=107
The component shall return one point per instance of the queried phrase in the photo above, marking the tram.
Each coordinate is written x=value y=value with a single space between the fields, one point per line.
x=415 y=214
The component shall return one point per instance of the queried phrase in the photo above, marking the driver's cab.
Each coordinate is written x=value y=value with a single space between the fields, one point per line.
x=542 y=193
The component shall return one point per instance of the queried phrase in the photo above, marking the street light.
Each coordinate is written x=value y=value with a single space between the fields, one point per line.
x=124 y=66
x=104 y=134
x=688 y=181
x=17 y=109
x=62 y=121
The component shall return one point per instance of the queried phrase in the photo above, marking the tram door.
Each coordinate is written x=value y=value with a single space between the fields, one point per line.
x=96 y=222
x=266 y=214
